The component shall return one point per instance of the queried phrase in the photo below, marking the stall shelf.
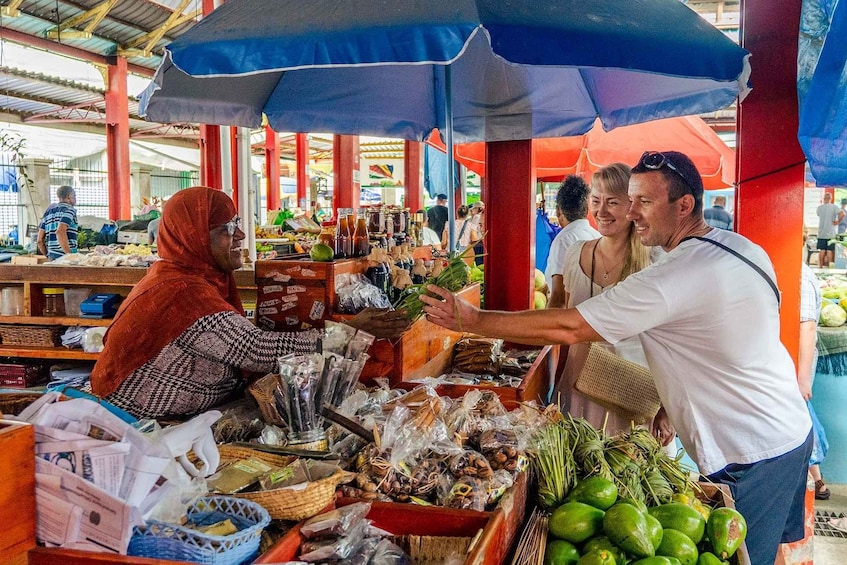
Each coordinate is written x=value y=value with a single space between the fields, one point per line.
x=33 y=278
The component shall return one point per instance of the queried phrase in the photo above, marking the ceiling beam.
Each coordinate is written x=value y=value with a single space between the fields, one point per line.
x=150 y=39
x=93 y=16
x=11 y=10
x=70 y=51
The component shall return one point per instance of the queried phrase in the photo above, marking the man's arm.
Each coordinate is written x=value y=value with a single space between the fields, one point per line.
x=40 y=242
x=808 y=339
x=557 y=293
x=62 y=237
x=532 y=327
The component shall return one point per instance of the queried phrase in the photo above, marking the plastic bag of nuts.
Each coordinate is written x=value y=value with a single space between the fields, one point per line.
x=470 y=463
x=500 y=447
x=467 y=493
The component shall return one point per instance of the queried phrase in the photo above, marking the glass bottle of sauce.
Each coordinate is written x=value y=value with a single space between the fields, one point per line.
x=351 y=232
x=327 y=236
x=361 y=239
x=341 y=240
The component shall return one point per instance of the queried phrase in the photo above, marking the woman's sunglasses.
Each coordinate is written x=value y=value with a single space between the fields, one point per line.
x=231 y=226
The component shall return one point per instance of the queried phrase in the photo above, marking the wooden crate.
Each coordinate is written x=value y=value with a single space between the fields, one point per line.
x=719 y=495
x=486 y=528
x=535 y=385
x=17 y=491
x=299 y=294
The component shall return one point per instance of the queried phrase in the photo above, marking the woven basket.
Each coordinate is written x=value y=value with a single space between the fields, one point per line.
x=295 y=504
x=263 y=391
x=170 y=541
x=32 y=336
x=13 y=403
x=622 y=386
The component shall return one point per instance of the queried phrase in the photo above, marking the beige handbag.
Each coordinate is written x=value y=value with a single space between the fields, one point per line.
x=622 y=386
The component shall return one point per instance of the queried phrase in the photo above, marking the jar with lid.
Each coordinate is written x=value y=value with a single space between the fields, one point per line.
x=327 y=235
x=54 y=302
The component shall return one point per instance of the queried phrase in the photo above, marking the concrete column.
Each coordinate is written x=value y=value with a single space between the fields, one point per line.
x=140 y=185
x=34 y=188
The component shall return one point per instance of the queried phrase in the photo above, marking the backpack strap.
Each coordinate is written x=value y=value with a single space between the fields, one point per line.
x=754 y=266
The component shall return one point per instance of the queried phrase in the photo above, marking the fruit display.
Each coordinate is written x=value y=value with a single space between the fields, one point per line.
x=674 y=533
x=834 y=307
x=540 y=291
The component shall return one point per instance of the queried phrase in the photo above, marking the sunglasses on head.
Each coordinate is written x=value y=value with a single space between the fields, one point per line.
x=655 y=160
x=231 y=226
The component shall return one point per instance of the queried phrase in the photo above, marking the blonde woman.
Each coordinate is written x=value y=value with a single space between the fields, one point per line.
x=593 y=266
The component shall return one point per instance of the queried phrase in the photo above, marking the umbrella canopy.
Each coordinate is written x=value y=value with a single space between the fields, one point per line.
x=584 y=154
x=517 y=69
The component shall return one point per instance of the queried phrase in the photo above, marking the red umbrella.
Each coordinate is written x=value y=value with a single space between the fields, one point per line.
x=557 y=157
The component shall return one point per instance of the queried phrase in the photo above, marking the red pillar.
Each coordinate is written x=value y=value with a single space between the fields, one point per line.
x=301 y=149
x=210 y=139
x=345 y=167
x=233 y=159
x=412 y=155
x=510 y=207
x=117 y=140
x=272 y=168
x=769 y=160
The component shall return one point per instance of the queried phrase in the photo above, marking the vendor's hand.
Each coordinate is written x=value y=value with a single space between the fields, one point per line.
x=380 y=322
x=662 y=428
x=448 y=310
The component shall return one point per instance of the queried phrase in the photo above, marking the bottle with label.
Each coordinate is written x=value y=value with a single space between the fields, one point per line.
x=351 y=232
x=361 y=238
x=327 y=236
x=341 y=242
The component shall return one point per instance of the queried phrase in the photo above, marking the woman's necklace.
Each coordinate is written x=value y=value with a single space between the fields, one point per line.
x=605 y=270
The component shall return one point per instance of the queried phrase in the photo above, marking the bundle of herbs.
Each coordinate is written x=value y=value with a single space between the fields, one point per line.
x=453 y=277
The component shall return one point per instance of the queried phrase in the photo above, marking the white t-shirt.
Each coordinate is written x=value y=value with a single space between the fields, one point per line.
x=575 y=231
x=429 y=237
x=827 y=213
x=709 y=326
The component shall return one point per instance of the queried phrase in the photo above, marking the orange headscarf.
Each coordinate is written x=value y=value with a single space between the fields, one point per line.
x=184 y=286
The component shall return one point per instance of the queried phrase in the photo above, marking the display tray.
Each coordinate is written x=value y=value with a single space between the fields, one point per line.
x=535 y=385
x=483 y=529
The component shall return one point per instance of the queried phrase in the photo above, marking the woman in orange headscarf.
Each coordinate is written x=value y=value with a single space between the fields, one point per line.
x=180 y=340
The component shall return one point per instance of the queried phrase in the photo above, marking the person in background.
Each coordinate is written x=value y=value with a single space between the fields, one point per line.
x=153 y=230
x=463 y=230
x=438 y=216
x=595 y=266
x=428 y=236
x=572 y=213
x=477 y=215
x=58 y=229
x=842 y=216
x=727 y=384
x=180 y=340
x=717 y=216
x=807 y=358
x=318 y=213
x=827 y=229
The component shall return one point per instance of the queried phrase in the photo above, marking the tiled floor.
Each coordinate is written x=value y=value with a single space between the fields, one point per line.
x=830 y=544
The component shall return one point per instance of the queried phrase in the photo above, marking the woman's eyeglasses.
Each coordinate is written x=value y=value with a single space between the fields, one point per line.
x=655 y=160
x=231 y=226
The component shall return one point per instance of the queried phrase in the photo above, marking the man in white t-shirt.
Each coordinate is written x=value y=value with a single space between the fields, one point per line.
x=571 y=211
x=828 y=218
x=726 y=382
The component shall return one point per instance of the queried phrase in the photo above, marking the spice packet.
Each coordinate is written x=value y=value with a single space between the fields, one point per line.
x=238 y=476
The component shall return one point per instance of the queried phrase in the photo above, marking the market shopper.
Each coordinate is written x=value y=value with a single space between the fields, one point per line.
x=438 y=215
x=428 y=235
x=726 y=382
x=572 y=213
x=595 y=266
x=180 y=340
x=58 y=229
x=827 y=229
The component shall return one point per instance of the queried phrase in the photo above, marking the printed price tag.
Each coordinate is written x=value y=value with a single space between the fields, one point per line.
x=317 y=310
x=272 y=288
x=296 y=288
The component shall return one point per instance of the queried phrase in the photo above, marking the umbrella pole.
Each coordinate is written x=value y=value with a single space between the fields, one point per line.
x=448 y=142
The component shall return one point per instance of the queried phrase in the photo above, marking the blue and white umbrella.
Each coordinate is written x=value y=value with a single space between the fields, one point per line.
x=479 y=70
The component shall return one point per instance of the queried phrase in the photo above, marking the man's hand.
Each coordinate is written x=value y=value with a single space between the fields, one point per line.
x=447 y=310
x=381 y=323
x=662 y=428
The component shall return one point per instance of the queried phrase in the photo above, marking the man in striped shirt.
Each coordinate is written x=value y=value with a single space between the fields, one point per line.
x=58 y=229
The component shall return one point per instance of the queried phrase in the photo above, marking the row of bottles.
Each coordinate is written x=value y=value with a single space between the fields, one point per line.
x=393 y=270
x=348 y=238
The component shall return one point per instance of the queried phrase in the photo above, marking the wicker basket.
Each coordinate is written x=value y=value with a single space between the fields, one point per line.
x=13 y=403
x=170 y=541
x=296 y=504
x=622 y=386
x=31 y=336
x=263 y=391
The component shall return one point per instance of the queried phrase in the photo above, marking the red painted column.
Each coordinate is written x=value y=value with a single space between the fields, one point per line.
x=769 y=160
x=412 y=154
x=233 y=158
x=345 y=167
x=117 y=140
x=210 y=139
x=301 y=150
x=510 y=241
x=272 y=168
